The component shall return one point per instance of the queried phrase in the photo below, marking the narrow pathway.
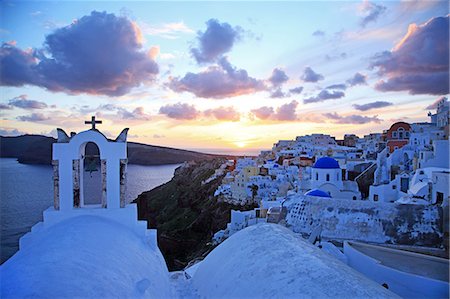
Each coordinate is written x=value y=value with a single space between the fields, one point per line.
x=182 y=286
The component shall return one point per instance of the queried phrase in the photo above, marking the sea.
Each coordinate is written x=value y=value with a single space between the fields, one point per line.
x=27 y=190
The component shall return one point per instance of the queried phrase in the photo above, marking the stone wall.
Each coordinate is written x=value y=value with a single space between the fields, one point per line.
x=368 y=221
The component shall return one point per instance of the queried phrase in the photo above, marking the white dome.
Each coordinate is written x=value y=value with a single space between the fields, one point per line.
x=86 y=257
x=270 y=261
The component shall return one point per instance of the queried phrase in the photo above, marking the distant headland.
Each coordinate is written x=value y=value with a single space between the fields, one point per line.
x=37 y=149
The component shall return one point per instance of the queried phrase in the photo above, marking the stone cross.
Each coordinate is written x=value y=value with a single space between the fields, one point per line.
x=93 y=122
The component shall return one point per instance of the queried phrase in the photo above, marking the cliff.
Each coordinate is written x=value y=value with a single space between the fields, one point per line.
x=37 y=149
x=186 y=213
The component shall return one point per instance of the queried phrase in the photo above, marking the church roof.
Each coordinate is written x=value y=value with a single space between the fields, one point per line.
x=327 y=163
x=270 y=261
x=85 y=257
x=317 y=192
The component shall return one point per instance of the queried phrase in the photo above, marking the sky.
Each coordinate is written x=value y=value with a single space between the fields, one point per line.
x=220 y=76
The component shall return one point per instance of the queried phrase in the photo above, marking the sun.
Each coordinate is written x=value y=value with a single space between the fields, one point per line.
x=240 y=144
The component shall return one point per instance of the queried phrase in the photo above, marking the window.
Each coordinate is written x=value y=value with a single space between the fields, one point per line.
x=375 y=197
x=328 y=177
x=404 y=183
x=439 y=198
x=317 y=176
x=394 y=134
x=394 y=187
x=354 y=197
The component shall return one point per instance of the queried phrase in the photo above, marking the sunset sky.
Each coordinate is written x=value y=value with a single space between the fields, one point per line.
x=221 y=76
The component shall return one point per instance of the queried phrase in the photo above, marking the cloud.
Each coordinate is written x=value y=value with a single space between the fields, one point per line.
x=337 y=86
x=325 y=95
x=342 y=55
x=435 y=103
x=11 y=132
x=166 y=30
x=218 y=82
x=137 y=114
x=296 y=90
x=419 y=63
x=285 y=112
x=278 y=77
x=97 y=54
x=310 y=76
x=157 y=136
x=179 y=111
x=17 y=67
x=357 y=79
x=371 y=12
x=373 y=105
x=278 y=94
x=318 y=33
x=115 y=112
x=22 y=102
x=5 y=107
x=217 y=40
x=351 y=119
x=223 y=113
x=264 y=112
x=33 y=117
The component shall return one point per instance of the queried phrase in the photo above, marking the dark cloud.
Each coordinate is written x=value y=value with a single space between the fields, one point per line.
x=357 y=79
x=97 y=54
x=337 y=86
x=17 y=67
x=371 y=11
x=318 y=33
x=351 y=119
x=435 y=103
x=419 y=63
x=179 y=111
x=278 y=94
x=33 y=117
x=325 y=95
x=23 y=102
x=285 y=112
x=296 y=90
x=223 y=113
x=278 y=77
x=310 y=76
x=217 y=40
x=5 y=107
x=373 y=105
x=218 y=82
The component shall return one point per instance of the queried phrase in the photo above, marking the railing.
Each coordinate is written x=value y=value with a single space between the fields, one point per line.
x=373 y=165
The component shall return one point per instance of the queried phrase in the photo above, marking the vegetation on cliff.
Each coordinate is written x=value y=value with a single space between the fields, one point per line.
x=186 y=213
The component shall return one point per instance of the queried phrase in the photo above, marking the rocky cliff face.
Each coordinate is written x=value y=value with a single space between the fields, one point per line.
x=186 y=213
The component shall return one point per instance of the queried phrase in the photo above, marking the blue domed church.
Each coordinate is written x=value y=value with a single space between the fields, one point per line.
x=326 y=181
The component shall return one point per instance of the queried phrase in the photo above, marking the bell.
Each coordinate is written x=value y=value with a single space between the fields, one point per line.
x=91 y=163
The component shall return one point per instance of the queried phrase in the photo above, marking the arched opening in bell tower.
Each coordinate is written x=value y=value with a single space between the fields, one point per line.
x=91 y=178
